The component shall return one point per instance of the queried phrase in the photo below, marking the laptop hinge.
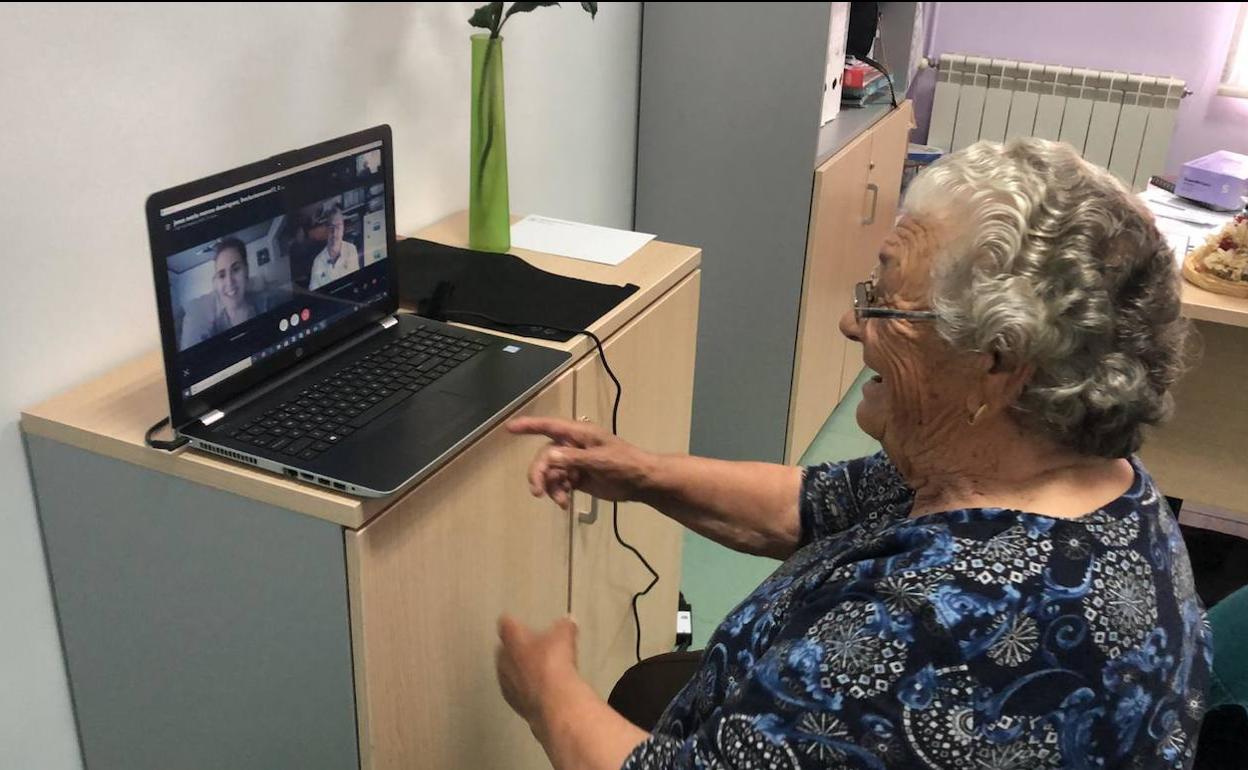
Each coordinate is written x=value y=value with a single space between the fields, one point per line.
x=211 y=417
x=388 y=322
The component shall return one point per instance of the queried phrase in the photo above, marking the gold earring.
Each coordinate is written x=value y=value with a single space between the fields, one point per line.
x=978 y=412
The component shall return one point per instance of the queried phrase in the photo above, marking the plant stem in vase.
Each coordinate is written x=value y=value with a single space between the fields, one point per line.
x=489 y=212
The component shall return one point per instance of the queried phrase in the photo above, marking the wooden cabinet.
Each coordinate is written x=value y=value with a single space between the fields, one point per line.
x=888 y=141
x=258 y=622
x=654 y=413
x=428 y=580
x=853 y=206
x=430 y=576
x=835 y=223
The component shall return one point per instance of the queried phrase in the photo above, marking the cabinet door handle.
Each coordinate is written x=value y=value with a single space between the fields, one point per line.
x=592 y=515
x=875 y=198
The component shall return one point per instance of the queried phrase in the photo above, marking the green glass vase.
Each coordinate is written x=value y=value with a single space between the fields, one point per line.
x=489 y=212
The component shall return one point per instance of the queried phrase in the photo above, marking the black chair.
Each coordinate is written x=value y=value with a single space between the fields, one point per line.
x=644 y=690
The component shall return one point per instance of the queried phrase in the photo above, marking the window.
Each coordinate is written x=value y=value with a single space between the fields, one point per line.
x=1235 y=76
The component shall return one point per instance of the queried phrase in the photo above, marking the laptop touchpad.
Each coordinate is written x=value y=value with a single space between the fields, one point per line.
x=446 y=402
x=440 y=411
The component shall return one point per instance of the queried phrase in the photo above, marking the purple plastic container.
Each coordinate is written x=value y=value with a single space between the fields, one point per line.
x=1219 y=179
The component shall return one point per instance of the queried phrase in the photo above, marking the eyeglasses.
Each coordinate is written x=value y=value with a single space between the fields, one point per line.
x=864 y=305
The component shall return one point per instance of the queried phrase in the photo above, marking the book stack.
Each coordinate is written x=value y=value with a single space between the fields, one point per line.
x=861 y=84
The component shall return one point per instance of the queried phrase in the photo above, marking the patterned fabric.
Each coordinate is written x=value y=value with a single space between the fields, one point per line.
x=973 y=639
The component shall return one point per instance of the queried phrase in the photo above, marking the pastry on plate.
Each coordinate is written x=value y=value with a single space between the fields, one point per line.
x=1220 y=264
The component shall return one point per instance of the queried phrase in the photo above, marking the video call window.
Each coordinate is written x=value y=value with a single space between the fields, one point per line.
x=280 y=272
x=218 y=285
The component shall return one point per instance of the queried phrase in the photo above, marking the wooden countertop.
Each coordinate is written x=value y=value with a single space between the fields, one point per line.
x=848 y=124
x=109 y=415
x=1201 y=305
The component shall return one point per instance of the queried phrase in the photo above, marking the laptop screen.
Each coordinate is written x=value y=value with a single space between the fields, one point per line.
x=271 y=268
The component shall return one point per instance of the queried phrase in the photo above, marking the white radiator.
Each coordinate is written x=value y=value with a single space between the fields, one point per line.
x=1118 y=120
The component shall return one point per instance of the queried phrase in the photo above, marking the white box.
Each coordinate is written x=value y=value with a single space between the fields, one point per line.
x=837 y=33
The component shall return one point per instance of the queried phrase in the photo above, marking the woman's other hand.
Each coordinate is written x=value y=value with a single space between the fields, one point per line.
x=533 y=666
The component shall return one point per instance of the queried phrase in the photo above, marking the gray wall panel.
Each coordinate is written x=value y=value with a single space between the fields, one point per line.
x=201 y=629
x=728 y=128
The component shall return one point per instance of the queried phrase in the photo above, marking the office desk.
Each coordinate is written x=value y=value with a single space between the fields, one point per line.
x=1201 y=455
x=213 y=616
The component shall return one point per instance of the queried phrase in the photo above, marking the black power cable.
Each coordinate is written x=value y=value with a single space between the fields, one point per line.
x=883 y=71
x=615 y=431
x=167 y=446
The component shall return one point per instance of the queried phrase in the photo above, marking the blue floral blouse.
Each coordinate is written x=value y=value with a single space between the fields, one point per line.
x=973 y=639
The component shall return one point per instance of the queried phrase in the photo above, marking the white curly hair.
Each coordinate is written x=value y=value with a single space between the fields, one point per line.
x=1057 y=265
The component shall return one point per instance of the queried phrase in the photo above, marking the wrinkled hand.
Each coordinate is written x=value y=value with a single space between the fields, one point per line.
x=534 y=666
x=585 y=457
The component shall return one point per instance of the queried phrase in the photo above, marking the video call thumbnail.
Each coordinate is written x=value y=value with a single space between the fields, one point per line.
x=216 y=286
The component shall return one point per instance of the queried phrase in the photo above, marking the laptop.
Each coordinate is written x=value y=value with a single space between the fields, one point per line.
x=283 y=346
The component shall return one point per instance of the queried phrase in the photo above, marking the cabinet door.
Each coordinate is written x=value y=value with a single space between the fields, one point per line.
x=428 y=579
x=889 y=139
x=653 y=358
x=827 y=291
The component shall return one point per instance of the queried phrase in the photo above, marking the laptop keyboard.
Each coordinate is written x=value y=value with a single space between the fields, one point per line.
x=323 y=414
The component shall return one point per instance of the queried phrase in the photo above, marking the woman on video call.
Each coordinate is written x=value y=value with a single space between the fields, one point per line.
x=230 y=302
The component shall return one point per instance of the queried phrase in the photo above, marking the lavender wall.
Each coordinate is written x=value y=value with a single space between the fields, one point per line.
x=1185 y=40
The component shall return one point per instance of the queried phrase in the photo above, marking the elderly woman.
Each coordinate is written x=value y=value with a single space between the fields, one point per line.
x=1003 y=586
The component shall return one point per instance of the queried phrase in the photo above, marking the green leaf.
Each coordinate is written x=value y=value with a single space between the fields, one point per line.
x=486 y=17
x=523 y=8
x=526 y=7
x=592 y=8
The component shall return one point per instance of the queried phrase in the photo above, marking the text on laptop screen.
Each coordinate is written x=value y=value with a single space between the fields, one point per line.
x=264 y=266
